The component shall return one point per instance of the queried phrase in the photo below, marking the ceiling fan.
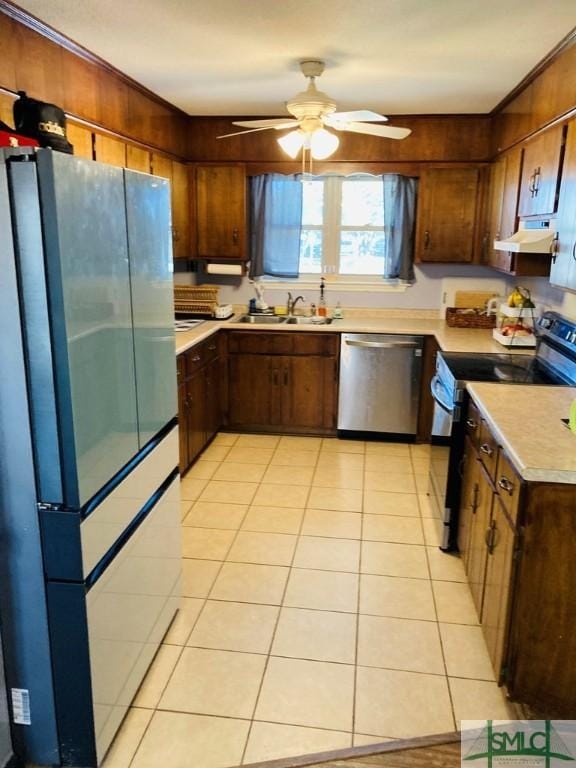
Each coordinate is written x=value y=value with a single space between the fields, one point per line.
x=313 y=112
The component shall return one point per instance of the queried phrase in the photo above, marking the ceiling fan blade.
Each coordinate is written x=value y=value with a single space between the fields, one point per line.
x=252 y=130
x=384 y=131
x=359 y=116
x=277 y=122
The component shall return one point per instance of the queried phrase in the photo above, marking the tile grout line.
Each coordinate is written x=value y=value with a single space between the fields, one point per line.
x=356 y=645
x=438 y=622
x=279 y=614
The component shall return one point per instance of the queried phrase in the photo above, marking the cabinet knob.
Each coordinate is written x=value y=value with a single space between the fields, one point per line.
x=490 y=537
x=506 y=485
x=426 y=240
x=471 y=424
x=175 y=234
x=554 y=248
x=486 y=449
x=235 y=235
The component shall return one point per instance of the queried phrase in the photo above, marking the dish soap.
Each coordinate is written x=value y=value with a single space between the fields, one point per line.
x=322 y=302
x=338 y=314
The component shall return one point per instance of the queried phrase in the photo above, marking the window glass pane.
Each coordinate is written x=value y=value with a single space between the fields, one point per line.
x=312 y=202
x=362 y=203
x=361 y=252
x=311 y=251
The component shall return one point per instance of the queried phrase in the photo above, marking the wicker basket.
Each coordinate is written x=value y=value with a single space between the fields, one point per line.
x=464 y=318
x=196 y=299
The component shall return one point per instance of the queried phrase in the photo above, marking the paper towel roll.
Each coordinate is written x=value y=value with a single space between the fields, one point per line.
x=225 y=269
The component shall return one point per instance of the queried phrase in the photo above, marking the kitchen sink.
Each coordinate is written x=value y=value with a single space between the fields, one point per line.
x=261 y=319
x=308 y=321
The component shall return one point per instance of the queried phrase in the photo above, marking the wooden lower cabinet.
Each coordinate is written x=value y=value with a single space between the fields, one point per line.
x=497 y=586
x=294 y=392
x=199 y=399
x=518 y=543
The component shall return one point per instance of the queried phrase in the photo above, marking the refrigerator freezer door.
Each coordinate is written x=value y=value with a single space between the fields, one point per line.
x=88 y=282
x=149 y=242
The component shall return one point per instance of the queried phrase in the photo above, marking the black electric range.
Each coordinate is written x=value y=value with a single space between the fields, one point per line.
x=553 y=364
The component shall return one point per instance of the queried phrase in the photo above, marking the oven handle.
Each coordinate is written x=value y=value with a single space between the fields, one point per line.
x=434 y=387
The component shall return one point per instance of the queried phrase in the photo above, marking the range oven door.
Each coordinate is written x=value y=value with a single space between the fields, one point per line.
x=445 y=415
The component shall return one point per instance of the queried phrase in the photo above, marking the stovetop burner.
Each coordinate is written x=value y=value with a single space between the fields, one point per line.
x=187 y=325
x=512 y=369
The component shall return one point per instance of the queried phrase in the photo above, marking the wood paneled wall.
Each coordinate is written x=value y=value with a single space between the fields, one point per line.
x=84 y=87
x=434 y=138
x=548 y=95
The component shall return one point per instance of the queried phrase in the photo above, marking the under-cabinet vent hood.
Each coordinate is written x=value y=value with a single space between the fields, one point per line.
x=532 y=237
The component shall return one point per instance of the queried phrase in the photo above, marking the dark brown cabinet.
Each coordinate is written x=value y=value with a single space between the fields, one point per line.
x=541 y=173
x=283 y=382
x=221 y=211
x=563 y=270
x=448 y=211
x=199 y=398
x=177 y=175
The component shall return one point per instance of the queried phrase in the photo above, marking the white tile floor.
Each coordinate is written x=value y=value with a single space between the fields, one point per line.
x=318 y=612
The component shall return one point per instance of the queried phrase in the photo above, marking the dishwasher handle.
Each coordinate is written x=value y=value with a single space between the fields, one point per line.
x=384 y=344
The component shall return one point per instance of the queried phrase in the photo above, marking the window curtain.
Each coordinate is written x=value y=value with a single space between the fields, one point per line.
x=399 y=224
x=275 y=225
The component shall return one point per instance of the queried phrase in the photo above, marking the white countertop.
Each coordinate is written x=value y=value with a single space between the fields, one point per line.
x=449 y=339
x=526 y=420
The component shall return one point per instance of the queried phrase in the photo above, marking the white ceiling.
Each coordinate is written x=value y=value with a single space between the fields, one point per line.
x=239 y=57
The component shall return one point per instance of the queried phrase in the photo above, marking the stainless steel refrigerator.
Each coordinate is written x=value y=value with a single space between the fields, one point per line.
x=89 y=491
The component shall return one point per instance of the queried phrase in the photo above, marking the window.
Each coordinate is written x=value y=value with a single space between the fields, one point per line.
x=357 y=229
x=343 y=227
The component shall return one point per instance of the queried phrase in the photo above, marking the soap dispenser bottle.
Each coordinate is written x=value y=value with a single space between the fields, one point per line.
x=322 y=302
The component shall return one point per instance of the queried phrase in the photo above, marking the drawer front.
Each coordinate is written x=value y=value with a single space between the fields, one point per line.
x=260 y=343
x=285 y=343
x=488 y=449
x=508 y=486
x=473 y=421
x=129 y=609
x=202 y=353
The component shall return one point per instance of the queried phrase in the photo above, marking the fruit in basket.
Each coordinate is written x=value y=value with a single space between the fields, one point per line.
x=516 y=329
x=520 y=298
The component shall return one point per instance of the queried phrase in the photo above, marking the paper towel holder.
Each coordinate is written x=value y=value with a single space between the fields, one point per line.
x=226 y=268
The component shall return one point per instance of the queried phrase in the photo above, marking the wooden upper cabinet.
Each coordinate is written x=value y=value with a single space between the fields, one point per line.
x=448 y=208
x=180 y=211
x=541 y=173
x=137 y=159
x=82 y=139
x=563 y=270
x=109 y=150
x=161 y=166
x=221 y=211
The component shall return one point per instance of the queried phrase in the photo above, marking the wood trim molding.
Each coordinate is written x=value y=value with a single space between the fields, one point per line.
x=350 y=753
x=18 y=14
x=558 y=49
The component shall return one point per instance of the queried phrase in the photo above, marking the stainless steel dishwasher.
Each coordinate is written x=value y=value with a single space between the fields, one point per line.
x=379 y=382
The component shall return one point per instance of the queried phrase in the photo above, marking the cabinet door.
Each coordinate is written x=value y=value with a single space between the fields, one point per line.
x=477 y=551
x=540 y=173
x=196 y=417
x=497 y=587
x=447 y=213
x=180 y=211
x=563 y=270
x=109 y=150
x=468 y=500
x=221 y=211
x=495 y=204
x=81 y=139
x=183 y=427
x=511 y=193
x=308 y=393
x=253 y=388
x=137 y=159
x=161 y=166
x=213 y=398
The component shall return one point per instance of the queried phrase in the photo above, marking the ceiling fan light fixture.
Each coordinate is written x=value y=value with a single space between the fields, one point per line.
x=323 y=144
x=292 y=143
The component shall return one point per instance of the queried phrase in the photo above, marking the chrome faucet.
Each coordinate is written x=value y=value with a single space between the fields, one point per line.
x=291 y=303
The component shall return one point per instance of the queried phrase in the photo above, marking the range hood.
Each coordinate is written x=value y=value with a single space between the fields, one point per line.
x=532 y=237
